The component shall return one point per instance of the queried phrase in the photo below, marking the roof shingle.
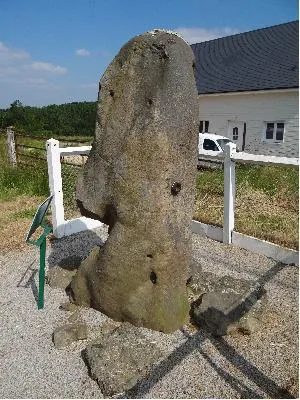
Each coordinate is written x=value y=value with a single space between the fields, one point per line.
x=263 y=59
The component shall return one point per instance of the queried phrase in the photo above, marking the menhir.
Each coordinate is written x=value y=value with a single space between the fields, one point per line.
x=140 y=180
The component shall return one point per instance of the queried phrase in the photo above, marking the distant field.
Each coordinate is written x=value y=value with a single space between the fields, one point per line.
x=266 y=204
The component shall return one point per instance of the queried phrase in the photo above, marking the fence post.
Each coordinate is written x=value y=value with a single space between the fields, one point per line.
x=11 y=146
x=55 y=185
x=229 y=192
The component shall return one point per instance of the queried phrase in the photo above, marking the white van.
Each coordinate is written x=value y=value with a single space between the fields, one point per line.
x=211 y=144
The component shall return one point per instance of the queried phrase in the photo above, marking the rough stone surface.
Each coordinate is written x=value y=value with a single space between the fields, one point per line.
x=59 y=278
x=140 y=180
x=74 y=317
x=67 y=306
x=121 y=358
x=227 y=305
x=249 y=324
x=103 y=329
x=69 y=333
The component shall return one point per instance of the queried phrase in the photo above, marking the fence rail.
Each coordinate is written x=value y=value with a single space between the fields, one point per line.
x=61 y=226
x=34 y=157
x=21 y=153
x=25 y=146
x=47 y=138
x=247 y=158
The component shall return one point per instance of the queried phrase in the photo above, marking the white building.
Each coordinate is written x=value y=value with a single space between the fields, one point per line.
x=248 y=87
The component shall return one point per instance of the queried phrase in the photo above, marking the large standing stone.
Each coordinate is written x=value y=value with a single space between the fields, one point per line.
x=140 y=180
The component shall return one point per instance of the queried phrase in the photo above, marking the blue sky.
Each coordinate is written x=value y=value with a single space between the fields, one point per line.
x=55 y=51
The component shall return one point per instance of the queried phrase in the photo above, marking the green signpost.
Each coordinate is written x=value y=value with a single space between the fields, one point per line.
x=38 y=221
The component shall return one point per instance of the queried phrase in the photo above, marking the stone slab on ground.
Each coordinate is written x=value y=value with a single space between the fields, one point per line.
x=224 y=302
x=68 y=333
x=59 y=278
x=121 y=358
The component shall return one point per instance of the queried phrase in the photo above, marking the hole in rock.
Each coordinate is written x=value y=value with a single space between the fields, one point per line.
x=175 y=188
x=189 y=280
x=109 y=218
x=153 y=277
x=150 y=102
x=149 y=255
x=86 y=213
x=112 y=93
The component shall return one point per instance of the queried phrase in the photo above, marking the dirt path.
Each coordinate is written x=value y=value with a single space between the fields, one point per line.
x=15 y=218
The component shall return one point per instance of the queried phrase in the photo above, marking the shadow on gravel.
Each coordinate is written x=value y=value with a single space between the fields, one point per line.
x=69 y=251
x=217 y=321
x=194 y=343
x=272 y=272
x=249 y=370
x=30 y=274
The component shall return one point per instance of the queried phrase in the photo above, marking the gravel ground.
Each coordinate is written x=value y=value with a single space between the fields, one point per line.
x=196 y=365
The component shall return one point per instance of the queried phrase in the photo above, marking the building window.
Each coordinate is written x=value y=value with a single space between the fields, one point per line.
x=203 y=126
x=235 y=133
x=274 y=131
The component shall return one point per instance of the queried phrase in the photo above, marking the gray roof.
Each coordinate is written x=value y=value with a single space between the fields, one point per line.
x=263 y=59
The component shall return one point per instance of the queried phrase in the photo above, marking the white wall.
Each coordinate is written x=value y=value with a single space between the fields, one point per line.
x=255 y=108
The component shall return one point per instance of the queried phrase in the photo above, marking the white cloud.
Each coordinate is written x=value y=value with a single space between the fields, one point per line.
x=105 y=53
x=10 y=55
x=8 y=70
x=24 y=78
x=46 y=67
x=196 y=35
x=82 y=52
x=36 y=83
x=14 y=62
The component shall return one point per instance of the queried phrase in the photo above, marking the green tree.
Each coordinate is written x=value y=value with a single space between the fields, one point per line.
x=76 y=118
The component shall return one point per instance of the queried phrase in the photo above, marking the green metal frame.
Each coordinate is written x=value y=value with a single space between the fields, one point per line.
x=41 y=243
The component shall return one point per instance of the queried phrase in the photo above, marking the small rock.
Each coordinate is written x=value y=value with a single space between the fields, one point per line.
x=120 y=359
x=248 y=325
x=69 y=333
x=74 y=317
x=204 y=281
x=104 y=329
x=59 y=278
x=291 y=388
x=67 y=306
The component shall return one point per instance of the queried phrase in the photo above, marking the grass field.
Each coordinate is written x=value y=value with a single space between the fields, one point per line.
x=23 y=188
x=266 y=203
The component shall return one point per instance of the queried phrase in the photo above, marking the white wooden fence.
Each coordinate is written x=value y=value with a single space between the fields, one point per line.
x=62 y=227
